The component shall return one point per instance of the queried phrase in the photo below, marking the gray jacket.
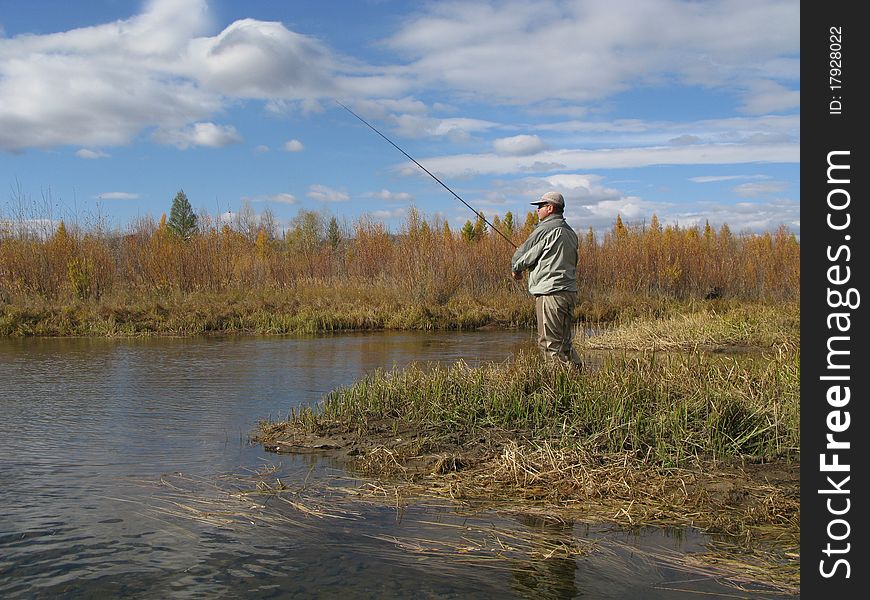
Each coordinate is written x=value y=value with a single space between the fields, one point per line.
x=550 y=256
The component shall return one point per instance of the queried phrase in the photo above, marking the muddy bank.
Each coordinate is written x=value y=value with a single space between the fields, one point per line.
x=752 y=502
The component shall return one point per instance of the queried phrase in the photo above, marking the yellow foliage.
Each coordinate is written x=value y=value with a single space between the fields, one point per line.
x=424 y=260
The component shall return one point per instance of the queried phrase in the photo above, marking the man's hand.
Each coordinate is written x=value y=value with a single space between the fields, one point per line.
x=518 y=276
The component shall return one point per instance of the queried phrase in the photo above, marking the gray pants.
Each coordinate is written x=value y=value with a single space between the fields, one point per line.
x=555 y=313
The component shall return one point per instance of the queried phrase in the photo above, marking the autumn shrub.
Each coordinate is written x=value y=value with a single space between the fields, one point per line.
x=424 y=263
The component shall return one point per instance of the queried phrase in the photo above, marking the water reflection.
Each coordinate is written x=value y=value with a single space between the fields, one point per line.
x=551 y=573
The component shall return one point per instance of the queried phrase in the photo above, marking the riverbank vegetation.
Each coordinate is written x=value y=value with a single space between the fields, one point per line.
x=319 y=275
x=662 y=408
x=709 y=440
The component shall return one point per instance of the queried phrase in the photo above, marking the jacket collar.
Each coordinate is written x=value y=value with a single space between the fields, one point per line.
x=553 y=219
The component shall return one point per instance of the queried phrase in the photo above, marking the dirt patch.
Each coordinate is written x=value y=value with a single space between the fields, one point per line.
x=731 y=498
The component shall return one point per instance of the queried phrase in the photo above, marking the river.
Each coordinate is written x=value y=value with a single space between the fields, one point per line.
x=122 y=463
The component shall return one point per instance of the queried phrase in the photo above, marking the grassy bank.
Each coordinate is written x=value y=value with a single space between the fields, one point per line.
x=354 y=306
x=701 y=439
x=667 y=410
x=313 y=309
x=716 y=326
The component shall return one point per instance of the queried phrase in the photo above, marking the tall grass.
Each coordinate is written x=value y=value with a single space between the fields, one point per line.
x=427 y=273
x=671 y=408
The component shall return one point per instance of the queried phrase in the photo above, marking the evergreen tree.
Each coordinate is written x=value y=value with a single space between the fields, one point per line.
x=182 y=219
x=508 y=223
x=468 y=232
x=496 y=224
x=708 y=232
x=479 y=227
x=333 y=234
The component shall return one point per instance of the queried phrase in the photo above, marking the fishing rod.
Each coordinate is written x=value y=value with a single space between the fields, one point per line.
x=428 y=172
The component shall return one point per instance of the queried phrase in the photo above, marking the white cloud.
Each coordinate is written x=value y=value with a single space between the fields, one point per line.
x=715 y=178
x=462 y=126
x=636 y=132
x=591 y=203
x=751 y=190
x=454 y=129
x=753 y=217
x=261 y=149
x=293 y=146
x=537 y=52
x=101 y=85
x=518 y=145
x=629 y=207
x=469 y=165
x=741 y=217
x=282 y=198
x=391 y=196
x=41 y=228
x=578 y=189
x=258 y=59
x=574 y=186
x=104 y=84
x=764 y=97
x=383 y=108
x=118 y=196
x=323 y=193
x=90 y=154
x=199 y=134
x=389 y=214
x=685 y=140
x=768 y=138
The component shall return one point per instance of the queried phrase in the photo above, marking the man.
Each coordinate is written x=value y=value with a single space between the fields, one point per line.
x=550 y=256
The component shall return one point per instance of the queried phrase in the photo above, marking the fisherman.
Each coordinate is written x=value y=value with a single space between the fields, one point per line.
x=550 y=256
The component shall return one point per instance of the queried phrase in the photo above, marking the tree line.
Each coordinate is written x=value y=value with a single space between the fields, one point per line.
x=425 y=259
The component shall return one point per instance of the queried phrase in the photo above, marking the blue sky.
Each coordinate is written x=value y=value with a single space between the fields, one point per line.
x=689 y=110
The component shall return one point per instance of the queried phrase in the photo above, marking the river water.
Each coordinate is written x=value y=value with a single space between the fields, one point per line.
x=123 y=462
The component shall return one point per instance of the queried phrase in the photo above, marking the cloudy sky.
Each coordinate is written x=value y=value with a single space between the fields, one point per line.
x=686 y=109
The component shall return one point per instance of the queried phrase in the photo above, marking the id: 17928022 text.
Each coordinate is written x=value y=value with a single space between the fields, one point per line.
x=835 y=75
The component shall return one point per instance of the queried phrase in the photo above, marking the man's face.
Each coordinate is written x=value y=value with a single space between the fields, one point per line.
x=544 y=210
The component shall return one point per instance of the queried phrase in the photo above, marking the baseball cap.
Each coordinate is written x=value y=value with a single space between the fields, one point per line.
x=551 y=198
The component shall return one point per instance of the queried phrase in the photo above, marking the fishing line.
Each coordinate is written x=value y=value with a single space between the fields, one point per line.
x=411 y=158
